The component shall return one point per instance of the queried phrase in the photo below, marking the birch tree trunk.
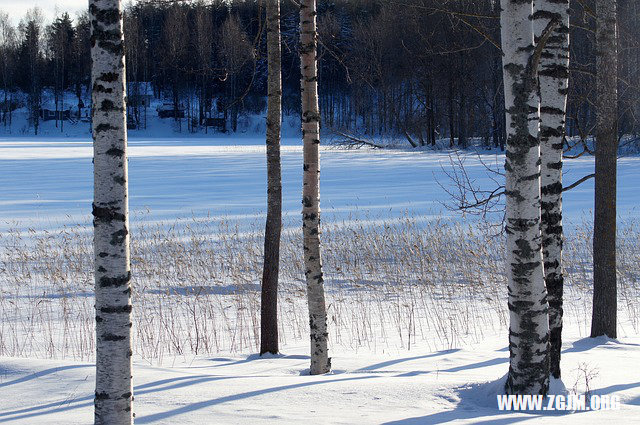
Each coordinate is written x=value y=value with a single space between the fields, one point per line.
x=604 y=226
x=553 y=76
x=273 y=228
x=320 y=361
x=114 y=391
x=528 y=308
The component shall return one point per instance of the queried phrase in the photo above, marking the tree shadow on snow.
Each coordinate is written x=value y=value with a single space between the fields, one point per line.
x=485 y=417
x=478 y=365
x=159 y=386
x=42 y=373
x=86 y=401
x=225 y=361
x=406 y=359
x=613 y=389
x=586 y=344
x=477 y=402
x=234 y=397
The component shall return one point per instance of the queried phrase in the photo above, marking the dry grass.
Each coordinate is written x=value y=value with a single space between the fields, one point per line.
x=395 y=283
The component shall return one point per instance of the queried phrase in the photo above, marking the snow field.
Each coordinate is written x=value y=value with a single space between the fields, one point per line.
x=416 y=295
x=416 y=387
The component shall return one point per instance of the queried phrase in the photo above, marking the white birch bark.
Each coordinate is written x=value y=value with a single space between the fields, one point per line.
x=528 y=308
x=114 y=391
x=320 y=361
x=553 y=76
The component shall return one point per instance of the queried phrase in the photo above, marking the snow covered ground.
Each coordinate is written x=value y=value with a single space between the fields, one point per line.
x=434 y=377
x=413 y=387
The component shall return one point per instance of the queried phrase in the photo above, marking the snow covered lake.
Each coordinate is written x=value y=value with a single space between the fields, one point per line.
x=49 y=183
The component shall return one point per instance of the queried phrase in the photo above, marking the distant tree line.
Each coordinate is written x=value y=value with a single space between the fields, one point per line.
x=418 y=69
x=35 y=56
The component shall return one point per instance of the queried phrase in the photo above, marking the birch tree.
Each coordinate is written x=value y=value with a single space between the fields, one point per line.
x=273 y=227
x=320 y=361
x=114 y=391
x=553 y=76
x=528 y=308
x=604 y=316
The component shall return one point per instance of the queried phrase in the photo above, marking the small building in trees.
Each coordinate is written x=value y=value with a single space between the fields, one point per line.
x=50 y=115
x=215 y=121
x=169 y=110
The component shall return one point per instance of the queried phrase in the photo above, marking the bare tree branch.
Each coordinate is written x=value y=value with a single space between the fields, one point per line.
x=579 y=182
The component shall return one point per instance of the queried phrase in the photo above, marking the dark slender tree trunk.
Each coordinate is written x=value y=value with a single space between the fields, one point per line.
x=451 y=114
x=432 y=120
x=462 y=119
x=273 y=228
x=604 y=227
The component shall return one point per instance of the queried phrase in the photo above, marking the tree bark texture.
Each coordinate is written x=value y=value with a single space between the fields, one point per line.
x=273 y=228
x=553 y=76
x=320 y=361
x=604 y=318
x=114 y=391
x=528 y=308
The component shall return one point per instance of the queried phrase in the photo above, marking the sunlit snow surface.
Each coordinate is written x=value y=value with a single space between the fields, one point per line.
x=410 y=388
x=49 y=183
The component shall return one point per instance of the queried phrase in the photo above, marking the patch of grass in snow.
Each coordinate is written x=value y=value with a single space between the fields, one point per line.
x=397 y=284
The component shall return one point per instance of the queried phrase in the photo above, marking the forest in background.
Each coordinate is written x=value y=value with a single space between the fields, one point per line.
x=420 y=69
